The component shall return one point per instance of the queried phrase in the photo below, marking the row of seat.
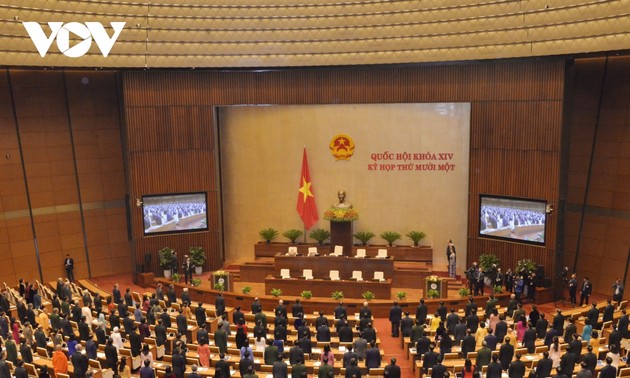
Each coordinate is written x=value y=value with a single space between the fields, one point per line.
x=338 y=251
x=334 y=275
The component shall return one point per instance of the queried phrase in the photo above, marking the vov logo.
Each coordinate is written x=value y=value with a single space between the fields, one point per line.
x=86 y=32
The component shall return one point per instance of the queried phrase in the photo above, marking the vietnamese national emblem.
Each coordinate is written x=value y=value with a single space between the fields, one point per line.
x=341 y=147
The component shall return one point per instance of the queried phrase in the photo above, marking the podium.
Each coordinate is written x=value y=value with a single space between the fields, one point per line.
x=433 y=284
x=219 y=278
x=341 y=234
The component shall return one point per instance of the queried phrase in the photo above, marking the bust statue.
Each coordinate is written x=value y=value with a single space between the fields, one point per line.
x=342 y=204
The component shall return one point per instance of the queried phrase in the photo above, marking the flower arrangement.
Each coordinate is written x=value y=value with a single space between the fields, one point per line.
x=335 y=214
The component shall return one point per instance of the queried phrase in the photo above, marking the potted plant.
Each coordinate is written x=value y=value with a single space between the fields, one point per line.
x=433 y=294
x=292 y=235
x=246 y=290
x=306 y=294
x=268 y=234
x=416 y=236
x=219 y=286
x=497 y=289
x=390 y=237
x=337 y=295
x=368 y=295
x=526 y=266
x=195 y=282
x=198 y=257
x=276 y=292
x=166 y=260
x=364 y=237
x=402 y=295
x=176 y=277
x=464 y=292
x=319 y=235
x=487 y=262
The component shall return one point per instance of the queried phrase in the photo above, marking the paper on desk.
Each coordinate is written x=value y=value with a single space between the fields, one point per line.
x=342 y=348
x=317 y=363
x=531 y=358
x=256 y=360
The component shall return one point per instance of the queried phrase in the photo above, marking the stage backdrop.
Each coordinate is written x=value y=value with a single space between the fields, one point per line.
x=409 y=170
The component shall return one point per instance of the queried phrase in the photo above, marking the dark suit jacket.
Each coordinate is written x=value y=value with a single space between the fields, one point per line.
x=280 y=369
x=393 y=370
x=541 y=327
x=501 y=330
x=296 y=354
x=373 y=358
x=495 y=370
x=608 y=371
x=545 y=365
x=468 y=345
x=80 y=364
x=222 y=369
x=148 y=372
x=200 y=314
x=516 y=369
x=506 y=353
x=179 y=365
x=430 y=359
x=438 y=371
x=395 y=314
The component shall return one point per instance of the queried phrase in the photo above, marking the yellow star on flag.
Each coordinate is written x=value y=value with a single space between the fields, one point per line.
x=305 y=189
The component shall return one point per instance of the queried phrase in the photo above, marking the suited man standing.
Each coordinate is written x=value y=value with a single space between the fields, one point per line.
x=188 y=268
x=68 y=263
x=517 y=368
x=585 y=292
x=392 y=370
x=395 y=315
x=219 y=304
x=506 y=353
x=200 y=315
x=608 y=371
x=617 y=291
x=79 y=362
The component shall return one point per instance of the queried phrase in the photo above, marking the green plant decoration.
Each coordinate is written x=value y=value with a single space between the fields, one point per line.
x=390 y=237
x=195 y=282
x=306 y=294
x=486 y=262
x=219 y=286
x=292 y=235
x=197 y=255
x=246 y=289
x=319 y=235
x=433 y=294
x=368 y=295
x=337 y=295
x=166 y=257
x=364 y=237
x=526 y=265
x=497 y=289
x=464 y=292
x=176 y=277
x=416 y=236
x=268 y=234
x=276 y=292
x=402 y=295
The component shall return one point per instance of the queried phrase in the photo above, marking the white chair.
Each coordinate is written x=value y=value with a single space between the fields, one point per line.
x=312 y=251
x=307 y=274
x=357 y=275
x=338 y=250
x=379 y=276
x=382 y=254
x=285 y=273
x=360 y=253
x=292 y=251
x=334 y=275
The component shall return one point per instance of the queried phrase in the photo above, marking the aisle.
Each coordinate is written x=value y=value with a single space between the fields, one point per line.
x=392 y=348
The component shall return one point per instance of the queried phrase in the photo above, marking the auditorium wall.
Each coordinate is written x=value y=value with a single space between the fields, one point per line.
x=515 y=135
x=597 y=227
x=62 y=175
x=392 y=178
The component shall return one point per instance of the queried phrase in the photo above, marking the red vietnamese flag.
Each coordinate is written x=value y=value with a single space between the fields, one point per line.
x=306 y=197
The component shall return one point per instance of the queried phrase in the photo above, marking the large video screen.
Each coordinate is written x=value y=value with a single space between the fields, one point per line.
x=515 y=219
x=169 y=213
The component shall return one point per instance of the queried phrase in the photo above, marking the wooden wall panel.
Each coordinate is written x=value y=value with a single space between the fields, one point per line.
x=597 y=227
x=69 y=130
x=515 y=128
